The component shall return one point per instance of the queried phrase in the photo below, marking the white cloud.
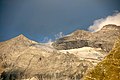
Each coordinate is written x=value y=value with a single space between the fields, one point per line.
x=59 y=35
x=98 y=24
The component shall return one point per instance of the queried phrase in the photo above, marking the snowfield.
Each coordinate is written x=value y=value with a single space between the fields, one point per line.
x=94 y=55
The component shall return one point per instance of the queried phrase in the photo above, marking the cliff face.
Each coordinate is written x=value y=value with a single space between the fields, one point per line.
x=103 y=39
x=22 y=58
x=109 y=68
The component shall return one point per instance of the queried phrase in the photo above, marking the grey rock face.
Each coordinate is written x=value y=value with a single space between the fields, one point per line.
x=22 y=58
x=103 y=39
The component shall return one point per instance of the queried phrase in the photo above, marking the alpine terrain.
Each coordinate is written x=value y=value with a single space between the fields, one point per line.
x=68 y=58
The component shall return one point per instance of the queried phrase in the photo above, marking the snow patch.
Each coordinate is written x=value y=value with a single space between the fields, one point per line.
x=86 y=53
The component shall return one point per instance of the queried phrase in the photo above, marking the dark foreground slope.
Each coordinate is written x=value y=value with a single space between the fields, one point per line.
x=109 y=68
x=103 y=39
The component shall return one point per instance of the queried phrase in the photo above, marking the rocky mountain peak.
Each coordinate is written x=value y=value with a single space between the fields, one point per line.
x=103 y=39
x=80 y=32
x=110 y=27
x=20 y=37
x=21 y=40
x=18 y=43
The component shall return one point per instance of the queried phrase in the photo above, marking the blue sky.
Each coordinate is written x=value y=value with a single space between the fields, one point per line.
x=38 y=19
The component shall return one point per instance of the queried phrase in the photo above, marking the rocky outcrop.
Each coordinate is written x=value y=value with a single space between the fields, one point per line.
x=109 y=68
x=22 y=59
x=103 y=39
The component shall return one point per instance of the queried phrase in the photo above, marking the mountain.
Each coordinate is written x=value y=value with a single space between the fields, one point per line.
x=68 y=58
x=103 y=39
x=109 y=68
x=22 y=58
